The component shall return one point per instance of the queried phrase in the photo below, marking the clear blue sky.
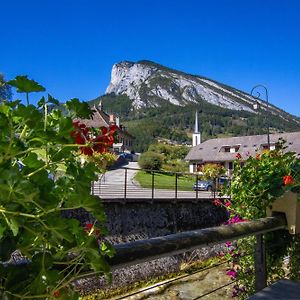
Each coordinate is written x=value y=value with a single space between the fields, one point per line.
x=70 y=46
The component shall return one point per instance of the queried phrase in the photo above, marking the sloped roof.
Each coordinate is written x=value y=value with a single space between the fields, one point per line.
x=209 y=151
x=102 y=119
x=98 y=119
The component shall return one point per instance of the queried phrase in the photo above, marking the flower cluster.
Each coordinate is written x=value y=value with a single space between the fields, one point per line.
x=288 y=180
x=83 y=136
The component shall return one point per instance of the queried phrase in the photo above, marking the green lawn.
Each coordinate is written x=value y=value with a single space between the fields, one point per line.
x=165 y=181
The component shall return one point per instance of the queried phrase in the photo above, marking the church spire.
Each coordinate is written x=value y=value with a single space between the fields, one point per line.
x=196 y=134
x=196 y=123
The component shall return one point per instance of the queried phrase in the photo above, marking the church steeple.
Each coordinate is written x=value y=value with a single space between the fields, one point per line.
x=196 y=134
x=196 y=123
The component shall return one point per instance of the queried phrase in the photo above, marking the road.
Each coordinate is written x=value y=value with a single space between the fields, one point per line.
x=111 y=185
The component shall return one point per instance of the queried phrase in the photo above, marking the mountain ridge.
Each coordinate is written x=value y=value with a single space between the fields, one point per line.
x=148 y=84
x=158 y=118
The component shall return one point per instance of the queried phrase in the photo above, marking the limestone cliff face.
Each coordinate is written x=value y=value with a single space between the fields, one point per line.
x=149 y=85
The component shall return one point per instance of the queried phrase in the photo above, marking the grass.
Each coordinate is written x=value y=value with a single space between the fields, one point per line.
x=165 y=181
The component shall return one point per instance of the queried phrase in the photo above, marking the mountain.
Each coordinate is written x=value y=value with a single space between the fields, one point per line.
x=149 y=84
x=154 y=102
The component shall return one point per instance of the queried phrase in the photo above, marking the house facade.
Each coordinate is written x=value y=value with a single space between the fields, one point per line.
x=224 y=151
x=124 y=140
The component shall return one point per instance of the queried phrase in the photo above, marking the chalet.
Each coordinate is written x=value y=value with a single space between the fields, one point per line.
x=100 y=118
x=224 y=151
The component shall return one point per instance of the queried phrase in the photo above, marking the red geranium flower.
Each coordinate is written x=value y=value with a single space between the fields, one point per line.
x=217 y=202
x=100 y=143
x=288 y=179
x=56 y=294
x=238 y=156
x=88 y=226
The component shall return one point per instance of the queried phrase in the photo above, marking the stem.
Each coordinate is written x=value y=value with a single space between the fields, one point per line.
x=27 y=98
x=46 y=115
x=17 y=214
x=23 y=132
x=38 y=170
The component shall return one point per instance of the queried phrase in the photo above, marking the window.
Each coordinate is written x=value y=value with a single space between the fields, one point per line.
x=226 y=149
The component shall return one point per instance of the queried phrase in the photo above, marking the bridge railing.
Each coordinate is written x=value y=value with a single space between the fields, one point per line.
x=141 y=251
x=132 y=183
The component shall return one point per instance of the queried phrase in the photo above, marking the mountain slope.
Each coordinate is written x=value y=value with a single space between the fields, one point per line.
x=149 y=84
x=156 y=102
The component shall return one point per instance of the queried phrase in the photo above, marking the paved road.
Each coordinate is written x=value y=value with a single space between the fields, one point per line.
x=111 y=185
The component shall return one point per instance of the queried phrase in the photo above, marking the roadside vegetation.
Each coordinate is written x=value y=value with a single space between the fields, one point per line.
x=168 y=159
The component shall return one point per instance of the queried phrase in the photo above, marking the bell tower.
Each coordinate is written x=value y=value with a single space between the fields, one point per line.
x=196 y=134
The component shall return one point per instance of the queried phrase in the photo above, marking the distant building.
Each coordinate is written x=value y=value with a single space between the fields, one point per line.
x=100 y=118
x=224 y=150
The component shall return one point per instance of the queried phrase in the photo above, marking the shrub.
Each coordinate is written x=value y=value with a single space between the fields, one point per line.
x=151 y=161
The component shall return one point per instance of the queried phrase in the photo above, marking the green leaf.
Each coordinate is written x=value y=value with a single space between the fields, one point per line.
x=53 y=100
x=32 y=161
x=80 y=109
x=42 y=260
x=41 y=102
x=13 y=225
x=25 y=85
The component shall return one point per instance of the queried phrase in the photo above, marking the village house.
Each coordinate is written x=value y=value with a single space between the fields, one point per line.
x=224 y=151
x=124 y=140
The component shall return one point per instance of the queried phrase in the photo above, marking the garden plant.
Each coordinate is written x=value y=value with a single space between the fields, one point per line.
x=256 y=183
x=48 y=160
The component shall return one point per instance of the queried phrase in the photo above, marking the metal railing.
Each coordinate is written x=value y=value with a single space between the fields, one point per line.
x=123 y=184
x=141 y=251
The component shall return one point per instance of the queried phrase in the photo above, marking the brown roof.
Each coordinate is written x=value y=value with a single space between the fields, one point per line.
x=209 y=151
x=98 y=119
x=102 y=119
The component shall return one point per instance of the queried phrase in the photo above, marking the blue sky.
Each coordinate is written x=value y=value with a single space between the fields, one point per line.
x=70 y=46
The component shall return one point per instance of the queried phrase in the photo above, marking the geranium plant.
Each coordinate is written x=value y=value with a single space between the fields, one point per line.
x=259 y=180
x=256 y=183
x=42 y=176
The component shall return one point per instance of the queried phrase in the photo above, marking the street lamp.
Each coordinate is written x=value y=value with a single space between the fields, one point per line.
x=256 y=105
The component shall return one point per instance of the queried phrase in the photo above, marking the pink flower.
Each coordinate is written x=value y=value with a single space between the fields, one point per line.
x=227 y=203
x=231 y=273
x=228 y=244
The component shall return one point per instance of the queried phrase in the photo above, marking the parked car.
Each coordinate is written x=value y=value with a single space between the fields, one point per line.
x=209 y=185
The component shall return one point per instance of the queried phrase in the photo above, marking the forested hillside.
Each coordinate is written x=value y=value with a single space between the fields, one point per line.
x=177 y=123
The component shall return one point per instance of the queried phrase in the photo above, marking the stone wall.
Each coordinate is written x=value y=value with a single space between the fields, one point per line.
x=142 y=220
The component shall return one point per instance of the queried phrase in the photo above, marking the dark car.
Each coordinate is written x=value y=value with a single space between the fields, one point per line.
x=209 y=185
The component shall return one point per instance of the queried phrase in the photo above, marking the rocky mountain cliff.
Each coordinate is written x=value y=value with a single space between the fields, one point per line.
x=149 y=84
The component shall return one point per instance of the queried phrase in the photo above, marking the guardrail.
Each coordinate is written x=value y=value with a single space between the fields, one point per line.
x=136 y=252
x=122 y=184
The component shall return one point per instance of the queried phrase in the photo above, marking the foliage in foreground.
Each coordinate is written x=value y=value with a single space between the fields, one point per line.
x=42 y=177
